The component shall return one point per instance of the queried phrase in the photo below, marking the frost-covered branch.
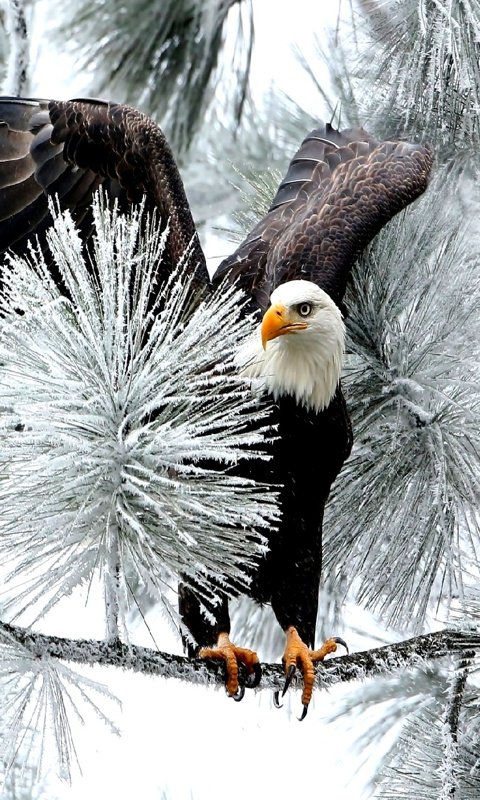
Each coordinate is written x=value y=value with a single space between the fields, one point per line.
x=16 y=80
x=426 y=68
x=450 y=768
x=40 y=697
x=408 y=654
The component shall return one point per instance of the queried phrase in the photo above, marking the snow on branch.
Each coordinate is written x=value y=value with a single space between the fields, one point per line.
x=413 y=653
x=436 y=754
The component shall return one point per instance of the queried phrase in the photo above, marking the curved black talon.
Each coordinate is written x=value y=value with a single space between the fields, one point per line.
x=304 y=713
x=254 y=678
x=341 y=641
x=288 y=679
x=239 y=694
x=276 y=699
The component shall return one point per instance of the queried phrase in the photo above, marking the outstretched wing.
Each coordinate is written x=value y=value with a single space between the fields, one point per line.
x=340 y=189
x=69 y=149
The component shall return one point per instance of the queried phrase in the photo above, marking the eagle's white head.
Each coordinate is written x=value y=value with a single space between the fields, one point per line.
x=299 y=347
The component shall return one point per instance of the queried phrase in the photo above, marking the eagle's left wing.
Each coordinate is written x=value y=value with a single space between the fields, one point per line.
x=340 y=189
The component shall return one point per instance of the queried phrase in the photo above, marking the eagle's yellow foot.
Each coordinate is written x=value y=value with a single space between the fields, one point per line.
x=298 y=654
x=233 y=655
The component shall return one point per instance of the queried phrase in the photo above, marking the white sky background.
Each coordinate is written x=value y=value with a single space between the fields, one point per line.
x=188 y=742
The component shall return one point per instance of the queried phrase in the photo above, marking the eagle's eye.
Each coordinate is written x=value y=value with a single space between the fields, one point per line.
x=304 y=309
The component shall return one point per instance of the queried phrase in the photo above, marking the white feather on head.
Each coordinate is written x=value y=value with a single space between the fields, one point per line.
x=305 y=353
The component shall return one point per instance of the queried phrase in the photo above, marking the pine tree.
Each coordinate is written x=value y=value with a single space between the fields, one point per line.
x=402 y=527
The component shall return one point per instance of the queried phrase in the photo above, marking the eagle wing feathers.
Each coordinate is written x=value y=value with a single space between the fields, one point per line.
x=70 y=148
x=340 y=188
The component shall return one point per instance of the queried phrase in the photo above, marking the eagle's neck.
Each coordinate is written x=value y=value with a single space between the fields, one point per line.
x=306 y=365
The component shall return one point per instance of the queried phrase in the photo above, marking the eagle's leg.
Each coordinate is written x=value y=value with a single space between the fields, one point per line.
x=233 y=656
x=211 y=634
x=298 y=654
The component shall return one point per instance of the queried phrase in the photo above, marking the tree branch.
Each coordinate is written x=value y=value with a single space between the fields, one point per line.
x=409 y=654
x=16 y=81
x=450 y=767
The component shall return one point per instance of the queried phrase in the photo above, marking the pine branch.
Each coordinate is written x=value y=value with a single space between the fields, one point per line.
x=408 y=654
x=176 y=59
x=16 y=81
x=423 y=69
x=456 y=699
x=124 y=454
x=413 y=311
x=450 y=767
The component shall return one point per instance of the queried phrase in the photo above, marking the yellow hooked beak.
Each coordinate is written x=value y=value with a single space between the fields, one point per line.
x=276 y=322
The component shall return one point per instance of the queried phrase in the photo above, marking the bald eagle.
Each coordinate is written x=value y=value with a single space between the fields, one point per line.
x=340 y=188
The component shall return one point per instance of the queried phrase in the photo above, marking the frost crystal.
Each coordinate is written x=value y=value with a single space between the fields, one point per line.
x=122 y=419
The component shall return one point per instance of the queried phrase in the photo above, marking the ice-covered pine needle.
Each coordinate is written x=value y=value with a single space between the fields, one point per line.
x=41 y=697
x=120 y=405
x=403 y=517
